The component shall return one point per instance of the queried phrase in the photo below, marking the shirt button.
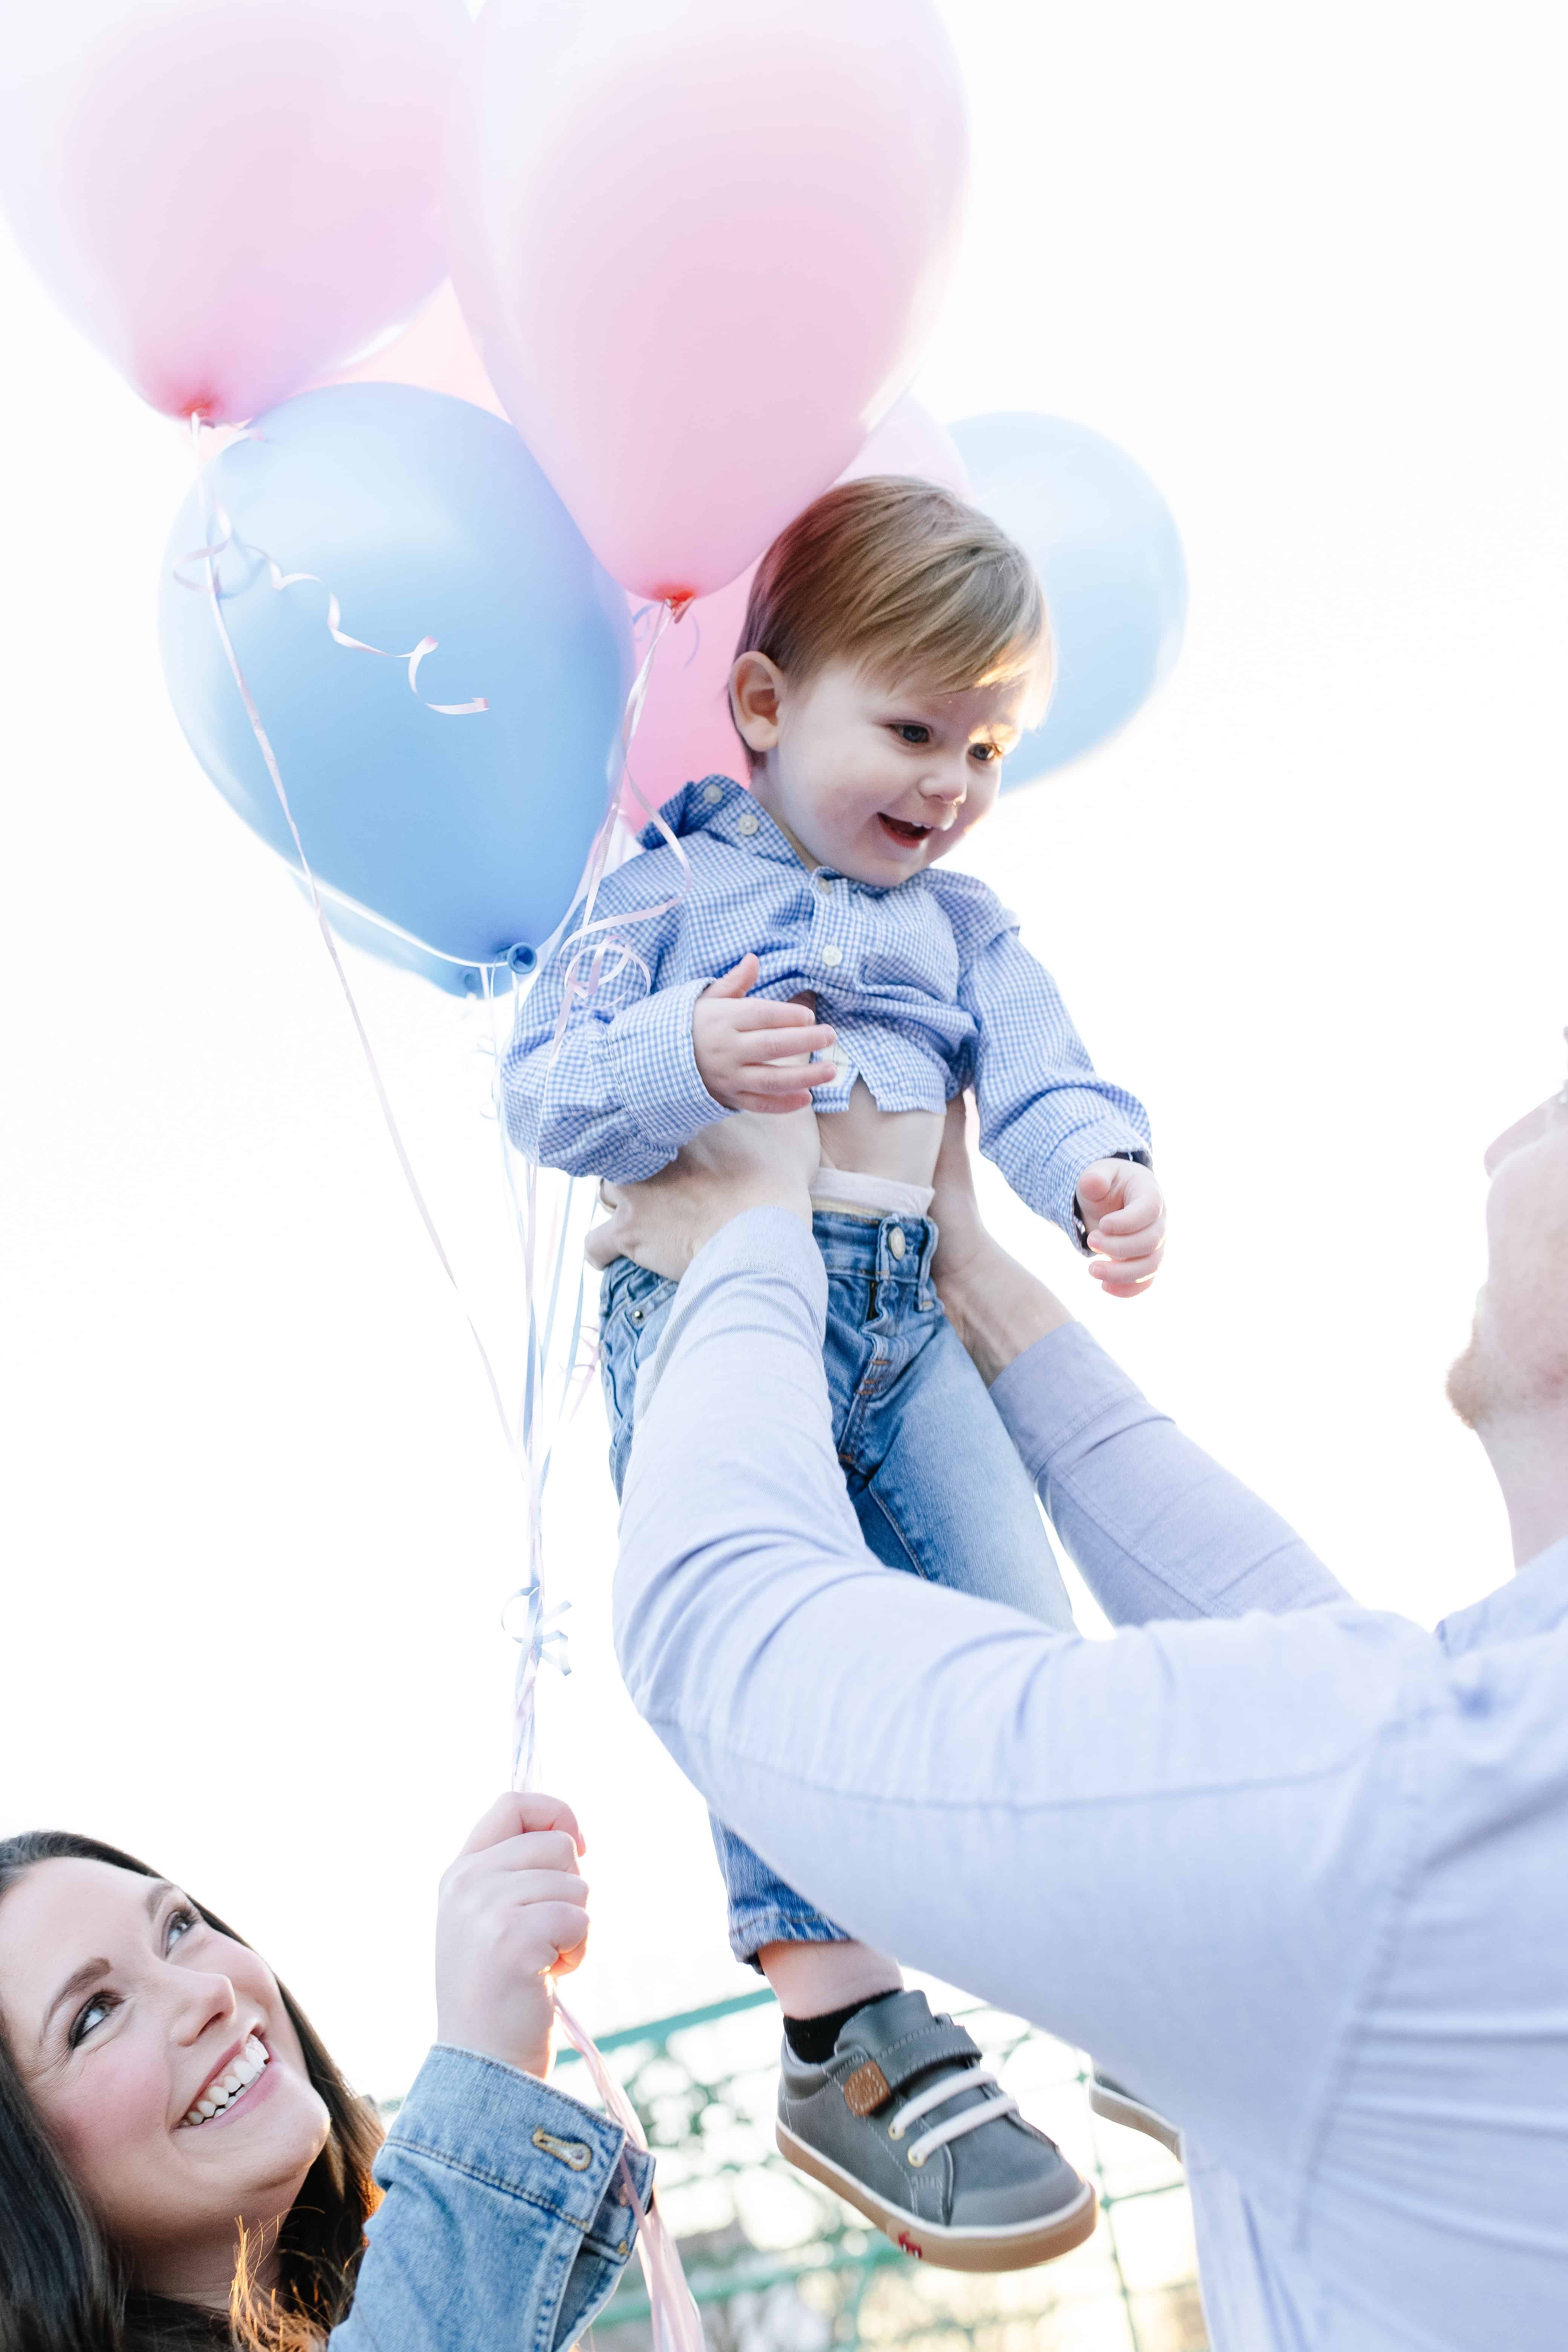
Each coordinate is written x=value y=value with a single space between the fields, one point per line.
x=822 y=883
x=832 y=955
x=748 y=823
x=896 y=1240
x=712 y=793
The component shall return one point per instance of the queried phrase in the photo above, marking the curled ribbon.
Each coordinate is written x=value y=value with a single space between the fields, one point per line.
x=541 y=1640
x=207 y=583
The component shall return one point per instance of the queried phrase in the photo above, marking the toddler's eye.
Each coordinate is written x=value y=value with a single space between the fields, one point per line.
x=910 y=730
x=986 y=753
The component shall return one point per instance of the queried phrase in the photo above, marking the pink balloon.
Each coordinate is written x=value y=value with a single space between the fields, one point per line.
x=700 y=243
x=685 y=729
x=230 y=196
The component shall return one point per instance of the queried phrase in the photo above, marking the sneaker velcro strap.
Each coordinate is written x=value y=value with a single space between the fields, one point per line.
x=873 y=2083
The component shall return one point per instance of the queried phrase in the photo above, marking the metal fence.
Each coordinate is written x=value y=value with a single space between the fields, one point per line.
x=779 y=2265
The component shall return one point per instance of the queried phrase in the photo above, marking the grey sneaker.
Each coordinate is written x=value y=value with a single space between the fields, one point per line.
x=1118 y=2105
x=907 y=2125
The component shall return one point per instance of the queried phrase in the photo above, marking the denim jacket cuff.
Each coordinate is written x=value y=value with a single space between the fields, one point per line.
x=654 y=1063
x=512 y=2132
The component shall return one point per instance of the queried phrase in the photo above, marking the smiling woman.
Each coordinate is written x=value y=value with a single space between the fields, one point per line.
x=183 y=2164
x=161 y=2015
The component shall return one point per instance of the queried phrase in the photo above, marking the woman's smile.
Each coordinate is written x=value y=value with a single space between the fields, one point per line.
x=236 y=2079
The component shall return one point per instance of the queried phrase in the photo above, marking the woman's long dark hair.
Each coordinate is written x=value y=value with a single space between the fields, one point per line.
x=66 y=2287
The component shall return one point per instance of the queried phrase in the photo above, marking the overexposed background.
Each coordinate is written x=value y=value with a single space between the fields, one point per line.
x=258 y=1522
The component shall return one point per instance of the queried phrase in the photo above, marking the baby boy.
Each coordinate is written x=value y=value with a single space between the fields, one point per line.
x=812 y=950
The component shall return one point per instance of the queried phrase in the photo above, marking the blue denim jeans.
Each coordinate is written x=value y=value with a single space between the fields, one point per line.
x=937 y=1485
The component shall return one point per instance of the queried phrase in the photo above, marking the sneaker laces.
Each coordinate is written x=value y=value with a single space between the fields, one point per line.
x=990 y=2110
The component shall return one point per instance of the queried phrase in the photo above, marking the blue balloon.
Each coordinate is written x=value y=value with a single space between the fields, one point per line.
x=423 y=517
x=1102 y=541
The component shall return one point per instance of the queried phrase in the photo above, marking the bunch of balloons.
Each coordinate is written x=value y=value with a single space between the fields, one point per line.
x=694 y=251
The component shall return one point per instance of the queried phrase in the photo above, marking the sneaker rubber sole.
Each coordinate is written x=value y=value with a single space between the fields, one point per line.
x=1016 y=2246
x=1117 y=2107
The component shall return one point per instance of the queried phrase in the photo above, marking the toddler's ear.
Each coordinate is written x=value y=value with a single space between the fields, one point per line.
x=754 y=690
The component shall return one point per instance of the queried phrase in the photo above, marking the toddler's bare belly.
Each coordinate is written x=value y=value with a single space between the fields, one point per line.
x=900 y=1145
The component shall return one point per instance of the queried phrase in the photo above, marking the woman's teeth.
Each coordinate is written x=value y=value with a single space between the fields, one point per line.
x=222 y=2091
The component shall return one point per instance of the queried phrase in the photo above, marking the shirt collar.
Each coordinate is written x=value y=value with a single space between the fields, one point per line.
x=718 y=805
x=1535 y=1601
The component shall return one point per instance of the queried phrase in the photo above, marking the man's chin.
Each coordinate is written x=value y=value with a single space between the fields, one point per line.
x=1472 y=1385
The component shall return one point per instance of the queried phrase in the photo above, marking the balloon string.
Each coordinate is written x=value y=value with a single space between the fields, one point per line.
x=675 y=2324
x=538 y=1428
x=264 y=745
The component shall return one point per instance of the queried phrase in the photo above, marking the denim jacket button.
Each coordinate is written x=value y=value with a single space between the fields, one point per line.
x=573 y=2152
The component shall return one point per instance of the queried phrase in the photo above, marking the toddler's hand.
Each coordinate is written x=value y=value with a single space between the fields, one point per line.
x=752 y=1056
x=1124 y=1209
x=512 y=1912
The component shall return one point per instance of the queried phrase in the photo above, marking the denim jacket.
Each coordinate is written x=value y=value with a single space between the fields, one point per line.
x=506 y=2219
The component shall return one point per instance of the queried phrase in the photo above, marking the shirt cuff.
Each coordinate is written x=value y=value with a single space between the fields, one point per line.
x=653 y=1063
x=1047 y=1395
x=510 y=2130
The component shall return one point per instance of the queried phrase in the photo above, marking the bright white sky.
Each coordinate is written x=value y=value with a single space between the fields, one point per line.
x=257 y=1523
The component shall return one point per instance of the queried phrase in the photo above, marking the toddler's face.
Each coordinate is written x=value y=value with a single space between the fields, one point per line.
x=873 y=778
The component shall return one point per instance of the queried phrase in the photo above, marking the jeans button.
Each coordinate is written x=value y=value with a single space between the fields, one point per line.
x=896 y=1240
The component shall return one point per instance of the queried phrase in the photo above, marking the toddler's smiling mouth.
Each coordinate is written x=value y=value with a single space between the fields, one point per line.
x=907 y=836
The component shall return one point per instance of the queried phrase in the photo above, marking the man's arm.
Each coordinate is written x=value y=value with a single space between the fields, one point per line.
x=1172 y=1847
x=1157 y=1528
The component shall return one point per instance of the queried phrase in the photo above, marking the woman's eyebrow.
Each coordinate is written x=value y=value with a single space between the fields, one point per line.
x=93 y=1972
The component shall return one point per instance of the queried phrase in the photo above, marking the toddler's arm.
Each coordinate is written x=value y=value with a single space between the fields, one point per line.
x=641 y=1069
x=1047 y=1116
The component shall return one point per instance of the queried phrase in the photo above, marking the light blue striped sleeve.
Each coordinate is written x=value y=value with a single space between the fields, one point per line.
x=1044 y=1111
x=621 y=1092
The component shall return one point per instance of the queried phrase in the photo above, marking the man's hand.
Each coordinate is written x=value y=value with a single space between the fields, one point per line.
x=512 y=1912
x=1124 y=1209
x=996 y=1306
x=753 y=1056
x=736 y=1164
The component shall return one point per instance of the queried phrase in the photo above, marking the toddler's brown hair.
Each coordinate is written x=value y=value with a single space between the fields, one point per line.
x=905 y=580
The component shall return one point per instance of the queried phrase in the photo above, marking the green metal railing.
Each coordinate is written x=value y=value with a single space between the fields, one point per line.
x=778 y=2264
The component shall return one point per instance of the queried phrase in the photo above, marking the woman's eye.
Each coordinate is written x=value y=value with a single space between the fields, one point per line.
x=95 y=2012
x=181 y=1922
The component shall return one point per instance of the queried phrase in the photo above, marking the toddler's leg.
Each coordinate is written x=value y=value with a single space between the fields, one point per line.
x=943 y=1493
x=811 y=1956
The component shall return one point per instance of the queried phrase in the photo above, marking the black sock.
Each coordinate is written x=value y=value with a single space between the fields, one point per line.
x=813 y=2039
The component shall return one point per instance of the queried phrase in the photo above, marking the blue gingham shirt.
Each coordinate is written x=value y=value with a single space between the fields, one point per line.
x=925 y=982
